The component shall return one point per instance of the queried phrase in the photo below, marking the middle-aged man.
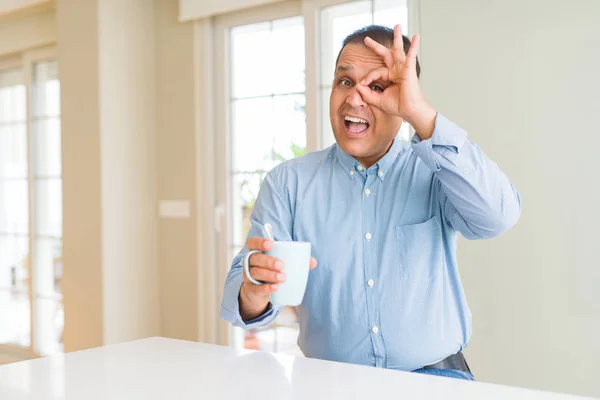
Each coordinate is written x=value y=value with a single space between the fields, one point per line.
x=383 y=217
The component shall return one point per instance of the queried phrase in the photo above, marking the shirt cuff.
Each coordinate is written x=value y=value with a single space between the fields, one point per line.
x=446 y=135
x=230 y=307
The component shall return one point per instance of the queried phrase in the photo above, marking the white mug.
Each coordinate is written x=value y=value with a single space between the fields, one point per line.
x=295 y=257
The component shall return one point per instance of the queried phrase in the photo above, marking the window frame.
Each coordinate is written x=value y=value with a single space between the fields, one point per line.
x=26 y=62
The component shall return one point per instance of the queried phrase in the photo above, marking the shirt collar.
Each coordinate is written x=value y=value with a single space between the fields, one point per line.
x=382 y=166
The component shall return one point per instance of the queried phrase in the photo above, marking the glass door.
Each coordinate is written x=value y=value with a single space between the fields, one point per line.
x=264 y=124
x=275 y=67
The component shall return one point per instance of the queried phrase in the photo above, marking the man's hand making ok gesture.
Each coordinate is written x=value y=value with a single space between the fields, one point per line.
x=403 y=97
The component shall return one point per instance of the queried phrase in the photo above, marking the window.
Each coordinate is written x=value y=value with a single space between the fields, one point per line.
x=15 y=305
x=271 y=76
x=47 y=181
x=31 y=312
x=268 y=126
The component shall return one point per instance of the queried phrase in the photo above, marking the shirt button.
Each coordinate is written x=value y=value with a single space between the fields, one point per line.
x=360 y=168
x=371 y=282
x=367 y=191
x=351 y=172
x=375 y=329
x=380 y=173
x=368 y=236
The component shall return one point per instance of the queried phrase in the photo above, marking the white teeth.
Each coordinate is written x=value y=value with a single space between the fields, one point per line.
x=357 y=120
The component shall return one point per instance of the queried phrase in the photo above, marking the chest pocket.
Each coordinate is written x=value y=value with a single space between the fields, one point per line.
x=420 y=250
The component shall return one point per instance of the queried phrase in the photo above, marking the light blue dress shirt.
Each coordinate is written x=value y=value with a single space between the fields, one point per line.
x=387 y=290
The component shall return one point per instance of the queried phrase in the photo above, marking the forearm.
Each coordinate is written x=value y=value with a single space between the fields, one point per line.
x=477 y=197
x=233 y=309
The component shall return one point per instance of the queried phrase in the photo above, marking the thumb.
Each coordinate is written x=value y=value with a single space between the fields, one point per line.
x=369 y=96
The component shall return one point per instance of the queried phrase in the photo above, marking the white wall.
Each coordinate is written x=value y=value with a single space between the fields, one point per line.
x=110 y=224
x=523 y=77
x=176 y=158
x=129 y=170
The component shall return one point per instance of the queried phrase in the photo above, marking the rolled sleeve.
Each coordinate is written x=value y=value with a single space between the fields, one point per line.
x=230 y=307
x=446 y=135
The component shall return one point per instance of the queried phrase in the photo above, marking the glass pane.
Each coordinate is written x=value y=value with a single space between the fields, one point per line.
x=19 y=104
x=14 y=212
x=337 y=22
x=12 y=96
x=14 y=257
x=327 y=138
x=252 y=134
x=47 y=267
x=49 y=324
x=48 y=207
x=46 y=146
x=12 y=104
x=405 y=131
x=289 y=123
x=4 y=103
x=392 y=12
x=14 y=318
x=244 y=193
x=13 y=151
x=251 y=60
x=45 y=94
x=287 y=42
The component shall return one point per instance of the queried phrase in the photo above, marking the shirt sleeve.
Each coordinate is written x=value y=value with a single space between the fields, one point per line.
x=476 y=197
x=270 y=206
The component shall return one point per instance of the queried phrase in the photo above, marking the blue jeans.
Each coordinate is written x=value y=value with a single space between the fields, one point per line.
x=449 y=373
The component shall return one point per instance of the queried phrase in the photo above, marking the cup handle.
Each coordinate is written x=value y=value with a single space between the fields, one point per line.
x=247 y=267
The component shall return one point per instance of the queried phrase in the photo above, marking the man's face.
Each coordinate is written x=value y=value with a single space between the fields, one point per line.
x=361 y=130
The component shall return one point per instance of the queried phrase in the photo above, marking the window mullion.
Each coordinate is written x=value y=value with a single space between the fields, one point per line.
x=312 y=70
x=28 y=69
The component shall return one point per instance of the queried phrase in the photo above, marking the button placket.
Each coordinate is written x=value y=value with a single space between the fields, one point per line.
x=370 y=267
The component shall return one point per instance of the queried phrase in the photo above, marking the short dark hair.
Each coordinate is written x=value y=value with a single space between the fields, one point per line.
x=381 y=34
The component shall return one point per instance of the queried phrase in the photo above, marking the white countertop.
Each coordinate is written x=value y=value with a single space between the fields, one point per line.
x=159 y=368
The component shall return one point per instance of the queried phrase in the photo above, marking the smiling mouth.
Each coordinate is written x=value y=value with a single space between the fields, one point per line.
x=355 y=125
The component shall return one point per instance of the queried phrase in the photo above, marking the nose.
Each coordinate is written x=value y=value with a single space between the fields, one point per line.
x=354 y=99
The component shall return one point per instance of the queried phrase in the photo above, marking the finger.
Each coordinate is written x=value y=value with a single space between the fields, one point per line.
x=267 y=275
x=313 y=263
x=258 y=243
x=369 y=96
x=381 y=73
x=381 y=50
x=265 y=261
x=398 y=47
x=255 y=290
x=411 y=58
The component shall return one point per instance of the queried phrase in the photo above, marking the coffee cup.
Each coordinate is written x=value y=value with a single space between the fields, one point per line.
x=295 y=257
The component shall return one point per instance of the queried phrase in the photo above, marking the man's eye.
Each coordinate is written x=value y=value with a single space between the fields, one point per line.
x=346 y=82
x=376 y=88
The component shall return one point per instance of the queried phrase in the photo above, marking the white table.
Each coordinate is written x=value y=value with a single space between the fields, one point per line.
x=165 y=369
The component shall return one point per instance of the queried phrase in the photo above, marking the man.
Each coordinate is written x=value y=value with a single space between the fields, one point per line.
x=383 y=218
